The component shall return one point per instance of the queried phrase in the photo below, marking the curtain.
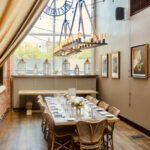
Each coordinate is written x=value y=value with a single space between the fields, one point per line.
x=16 y=19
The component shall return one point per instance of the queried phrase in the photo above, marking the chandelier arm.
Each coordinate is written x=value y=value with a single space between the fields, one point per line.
x=69 y=26
x=93 y=27
x=65 y=30
x=80 y=8
x=52 y=3
x=61 y=33
x=79 y=23
x=73 y=18
x=79 y=17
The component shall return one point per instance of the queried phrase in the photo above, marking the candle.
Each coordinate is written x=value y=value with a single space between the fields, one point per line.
x=72 y=38
x=104 y=36
x=79 y=37
x=92 y=36
x=99 y=38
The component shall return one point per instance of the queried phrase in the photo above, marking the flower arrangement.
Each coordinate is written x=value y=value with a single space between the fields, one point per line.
x=55 y=72
x=67 y=96
x=77 y=104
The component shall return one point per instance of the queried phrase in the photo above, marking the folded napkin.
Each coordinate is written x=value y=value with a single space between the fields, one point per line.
x=57 y=115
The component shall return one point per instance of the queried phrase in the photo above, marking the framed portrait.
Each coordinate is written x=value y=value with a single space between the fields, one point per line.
x=115 y=65
x=104 y=65
x=139 y=60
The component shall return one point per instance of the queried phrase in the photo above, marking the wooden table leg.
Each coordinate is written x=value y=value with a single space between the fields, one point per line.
x=29 y=107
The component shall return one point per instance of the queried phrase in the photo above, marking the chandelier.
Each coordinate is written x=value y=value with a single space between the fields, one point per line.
x=78 y=42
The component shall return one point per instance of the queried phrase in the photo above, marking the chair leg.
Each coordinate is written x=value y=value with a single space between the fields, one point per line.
x=52 y=146
x=112 y=141
x=107 y=142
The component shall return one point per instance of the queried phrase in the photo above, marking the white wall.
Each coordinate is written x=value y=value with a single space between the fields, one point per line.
x=130 y=95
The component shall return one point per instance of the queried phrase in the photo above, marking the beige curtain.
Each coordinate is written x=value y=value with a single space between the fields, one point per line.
x=16 y=19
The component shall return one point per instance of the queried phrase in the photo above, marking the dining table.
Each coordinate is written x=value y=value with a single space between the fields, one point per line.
x=64 y=113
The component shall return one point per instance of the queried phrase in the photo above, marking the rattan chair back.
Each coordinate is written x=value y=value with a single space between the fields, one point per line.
x=94 y=100
x=91 y=132
x=88 y=97
x=50 y=121
x=104 y=105
x=42 y=105
x=113 y=110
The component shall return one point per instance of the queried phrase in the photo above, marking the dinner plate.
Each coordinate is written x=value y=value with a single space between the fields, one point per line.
x=109 y=115
x=100 y=109
x=103 y=112
x=54 y=111
x=71 y=119
x=52 y=105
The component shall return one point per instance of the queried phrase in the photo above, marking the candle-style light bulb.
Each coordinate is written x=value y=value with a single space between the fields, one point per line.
x=99 y=38
x=72 y=38
x=79 y=36
x=92 y=37
x=104 y=37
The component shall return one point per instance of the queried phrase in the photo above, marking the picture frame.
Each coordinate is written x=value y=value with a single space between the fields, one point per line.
x=104 y=65
x=115 y=65
x=139 y=61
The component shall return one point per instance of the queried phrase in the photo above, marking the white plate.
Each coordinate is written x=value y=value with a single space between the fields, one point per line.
x=71 y=119
x=109 y=115
x=103 y=112
x=53 y=106
x=94 y=107
x=100 y=109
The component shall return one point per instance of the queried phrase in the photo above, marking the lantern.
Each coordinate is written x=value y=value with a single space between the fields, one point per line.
x=76 y=70
x=46 y=67
x=66 y=67
x=21 y=67
x=35 y=70
x=87 y=67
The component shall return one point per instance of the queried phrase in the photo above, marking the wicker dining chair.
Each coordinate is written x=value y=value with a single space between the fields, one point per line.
x=92 y=99
x=43 y=108
x=104 y=105
x=90 y=134
x=58 y=138
x=88 y=97
x=108 y=132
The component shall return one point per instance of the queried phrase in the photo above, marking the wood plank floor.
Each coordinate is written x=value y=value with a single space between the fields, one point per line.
x=21 y=132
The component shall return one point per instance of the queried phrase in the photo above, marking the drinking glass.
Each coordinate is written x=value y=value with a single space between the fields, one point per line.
x=72 y=91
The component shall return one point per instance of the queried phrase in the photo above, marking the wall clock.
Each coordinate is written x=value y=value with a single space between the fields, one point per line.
x=60 y=7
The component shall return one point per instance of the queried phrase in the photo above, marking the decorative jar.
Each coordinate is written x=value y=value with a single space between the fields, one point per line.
x=46 y=67
x=87 y=67
x=76 y=70
x=66 y=67
x=21 y=67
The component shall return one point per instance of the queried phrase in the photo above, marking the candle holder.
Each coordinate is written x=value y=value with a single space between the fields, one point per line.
x=76 y=70
x=87 y=67
x=66 y=67
x=46 y=67
x=35 y=70
x=21 y=67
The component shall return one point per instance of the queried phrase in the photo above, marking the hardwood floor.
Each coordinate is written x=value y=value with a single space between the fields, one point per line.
x=21 y=132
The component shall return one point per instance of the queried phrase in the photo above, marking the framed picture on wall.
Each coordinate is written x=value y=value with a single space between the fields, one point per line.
x=139 y=60
x=115 y=65
x=104 y=65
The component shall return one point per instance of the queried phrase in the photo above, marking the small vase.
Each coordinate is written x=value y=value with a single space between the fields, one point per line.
x=78 y=110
